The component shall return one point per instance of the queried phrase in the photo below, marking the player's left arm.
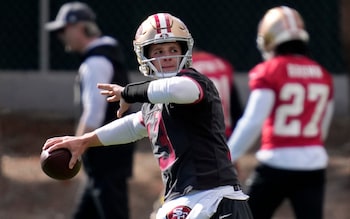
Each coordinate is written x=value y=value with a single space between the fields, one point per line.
x=182 y=90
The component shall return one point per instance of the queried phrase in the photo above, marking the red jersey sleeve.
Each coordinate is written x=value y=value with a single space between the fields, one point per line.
x=258 y=77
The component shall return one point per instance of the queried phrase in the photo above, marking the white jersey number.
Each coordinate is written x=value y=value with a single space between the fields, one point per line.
x=299 y=94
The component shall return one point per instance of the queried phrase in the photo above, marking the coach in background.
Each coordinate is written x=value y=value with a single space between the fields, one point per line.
x=291 y=103
x=107 y=168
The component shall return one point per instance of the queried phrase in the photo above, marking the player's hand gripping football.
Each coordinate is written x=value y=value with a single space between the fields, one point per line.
x=113 y=93
x=77 y=145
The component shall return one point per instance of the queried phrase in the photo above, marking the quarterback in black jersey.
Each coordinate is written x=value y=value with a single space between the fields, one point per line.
x=182 y=117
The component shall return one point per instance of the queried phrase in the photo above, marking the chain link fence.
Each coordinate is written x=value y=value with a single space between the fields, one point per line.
x=225 y=27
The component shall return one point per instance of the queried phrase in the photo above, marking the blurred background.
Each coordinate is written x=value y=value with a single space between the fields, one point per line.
x=37 y=76
x=227 y=28
x=34 y=60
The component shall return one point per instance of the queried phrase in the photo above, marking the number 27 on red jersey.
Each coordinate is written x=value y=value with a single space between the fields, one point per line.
x=301 y=110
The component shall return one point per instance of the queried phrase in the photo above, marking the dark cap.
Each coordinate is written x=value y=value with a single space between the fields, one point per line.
x=71 y=13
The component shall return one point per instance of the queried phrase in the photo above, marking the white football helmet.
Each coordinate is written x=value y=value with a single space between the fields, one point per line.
x=279 y=25
x=162 y=28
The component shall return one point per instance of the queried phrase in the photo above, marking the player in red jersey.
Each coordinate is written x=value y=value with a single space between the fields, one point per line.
x=221 y=72
x=291 y=104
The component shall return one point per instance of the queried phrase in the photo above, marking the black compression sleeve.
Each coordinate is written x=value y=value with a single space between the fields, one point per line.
x=136 y=92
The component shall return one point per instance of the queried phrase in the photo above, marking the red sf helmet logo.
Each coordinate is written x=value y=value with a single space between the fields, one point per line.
x=179 y=212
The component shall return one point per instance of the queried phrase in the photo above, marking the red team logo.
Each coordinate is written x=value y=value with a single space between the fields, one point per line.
x=179 y=212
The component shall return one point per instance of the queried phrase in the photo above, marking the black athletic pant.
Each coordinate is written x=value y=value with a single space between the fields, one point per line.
x=232 y=209
x=104 y=199
x=268 y=187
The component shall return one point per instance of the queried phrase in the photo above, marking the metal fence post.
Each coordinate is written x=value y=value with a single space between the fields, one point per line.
x=44 y=59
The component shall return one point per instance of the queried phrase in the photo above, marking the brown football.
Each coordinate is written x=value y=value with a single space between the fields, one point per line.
x=56 y=164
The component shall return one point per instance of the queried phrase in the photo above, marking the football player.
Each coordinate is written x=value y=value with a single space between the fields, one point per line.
x=291 y=104
x=183 y=118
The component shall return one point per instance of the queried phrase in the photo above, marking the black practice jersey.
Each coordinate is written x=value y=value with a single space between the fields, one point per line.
x=189 y=141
